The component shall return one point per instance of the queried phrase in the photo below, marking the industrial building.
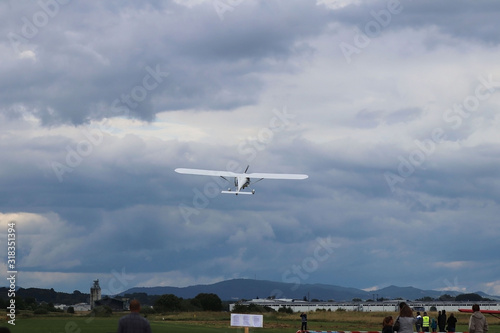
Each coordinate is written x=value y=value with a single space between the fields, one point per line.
x=382 y=306
x=114 y=303
x=95 y=293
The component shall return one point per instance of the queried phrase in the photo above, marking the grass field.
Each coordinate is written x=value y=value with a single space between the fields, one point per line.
x=204 y=322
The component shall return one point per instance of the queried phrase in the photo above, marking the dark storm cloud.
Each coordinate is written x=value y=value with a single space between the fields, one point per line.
x=92 y=60
x=459 y=19
x=107 y=195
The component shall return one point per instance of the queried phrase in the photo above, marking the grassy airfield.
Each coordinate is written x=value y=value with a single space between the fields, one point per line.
x=208 y=322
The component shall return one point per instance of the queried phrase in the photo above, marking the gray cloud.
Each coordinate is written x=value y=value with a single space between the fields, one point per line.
x=105 y=100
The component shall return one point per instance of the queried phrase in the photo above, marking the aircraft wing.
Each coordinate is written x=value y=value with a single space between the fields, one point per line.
x=216 y=173
x=482 y=311
x=275 y=175
x=202 y=172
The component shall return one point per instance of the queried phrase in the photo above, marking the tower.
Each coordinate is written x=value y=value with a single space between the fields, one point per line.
x=95 y=293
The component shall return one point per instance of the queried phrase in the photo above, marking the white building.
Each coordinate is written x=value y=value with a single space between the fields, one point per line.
x=385 y=306
x=81 y=307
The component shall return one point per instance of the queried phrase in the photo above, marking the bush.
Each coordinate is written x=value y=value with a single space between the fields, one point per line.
x=147 y=310
x=208 y=302
x=101 y=311
x=285 y=309
x=168 y=303
x=41 y=311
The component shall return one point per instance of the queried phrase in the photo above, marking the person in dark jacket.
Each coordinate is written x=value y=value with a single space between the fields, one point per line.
x=134 y=322
x=303 y=316
x=418 y=324
x=452 y=323
x=442 y=320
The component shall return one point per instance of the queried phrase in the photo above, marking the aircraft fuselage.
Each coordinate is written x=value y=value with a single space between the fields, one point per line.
x=241 y=182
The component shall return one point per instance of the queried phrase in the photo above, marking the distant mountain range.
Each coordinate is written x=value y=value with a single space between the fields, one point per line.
x=237 y=289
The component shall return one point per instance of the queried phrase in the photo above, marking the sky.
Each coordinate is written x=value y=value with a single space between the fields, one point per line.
x=390 y=107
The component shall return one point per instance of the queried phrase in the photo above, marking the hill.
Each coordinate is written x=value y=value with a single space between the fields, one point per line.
x=411 y=293
x=248 y=289
x=237 y=289
x=48 y=295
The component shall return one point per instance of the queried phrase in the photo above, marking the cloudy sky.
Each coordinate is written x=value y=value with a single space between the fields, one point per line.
x=390 y=107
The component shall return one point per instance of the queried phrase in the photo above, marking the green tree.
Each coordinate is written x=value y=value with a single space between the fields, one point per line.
x=285 y=309
x=102 y=311
x=446 y=298
x=469 y=297
x=41 y=311
x=20 y=304
x=425 y=299
x=143 y=298
x=30 y=302
x=208 y=302
x=168 y=302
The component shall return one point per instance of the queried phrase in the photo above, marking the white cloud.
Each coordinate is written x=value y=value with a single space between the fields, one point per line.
x=454 y=264
x=491 y=288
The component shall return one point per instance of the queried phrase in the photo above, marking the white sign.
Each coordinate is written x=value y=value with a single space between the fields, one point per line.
x=246 y=320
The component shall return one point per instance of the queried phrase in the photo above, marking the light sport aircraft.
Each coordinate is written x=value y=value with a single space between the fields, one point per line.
x=494 y=313
x=241 y=180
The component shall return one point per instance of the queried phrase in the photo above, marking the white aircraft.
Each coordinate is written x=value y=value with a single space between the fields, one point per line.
x=241 y=180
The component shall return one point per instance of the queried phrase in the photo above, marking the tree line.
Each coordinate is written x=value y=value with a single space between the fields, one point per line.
x=42 y=301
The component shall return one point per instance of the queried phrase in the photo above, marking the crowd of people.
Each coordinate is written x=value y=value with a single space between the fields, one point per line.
x=405 y=322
